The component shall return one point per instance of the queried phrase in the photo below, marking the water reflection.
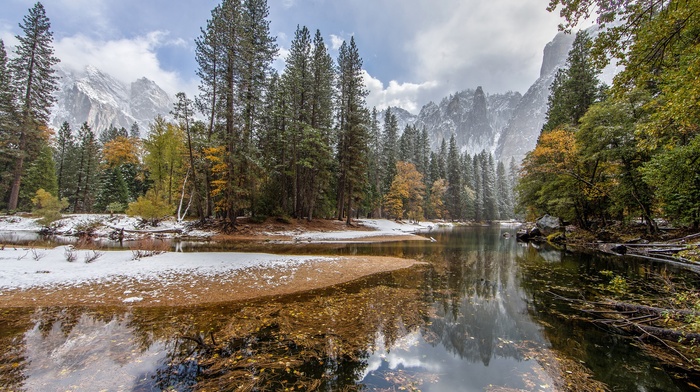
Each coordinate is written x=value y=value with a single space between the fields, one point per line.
x=476 y=319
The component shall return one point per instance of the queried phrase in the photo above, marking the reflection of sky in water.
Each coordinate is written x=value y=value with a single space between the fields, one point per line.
x=413 y=355
x=94 y=355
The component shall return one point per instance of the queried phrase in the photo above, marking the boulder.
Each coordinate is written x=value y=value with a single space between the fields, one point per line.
x=548 y=225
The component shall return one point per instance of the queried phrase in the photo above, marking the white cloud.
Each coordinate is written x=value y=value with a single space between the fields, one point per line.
x=336 y=42
x=469 y=48
x=409 y=96
x=124 y=59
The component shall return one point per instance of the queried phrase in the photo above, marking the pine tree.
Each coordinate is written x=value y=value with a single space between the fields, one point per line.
x=352 y=128
x=454 y=187
x=477 y=168
x=41 y=174
x=503 y=192
x=374 y=171
x=575 y=88
x=113 y=194
x=389 y=149
x=34 y=83
x=442 y=160
x=489 y=186
x=8 y=122
x=87 y=170
x=64 y=158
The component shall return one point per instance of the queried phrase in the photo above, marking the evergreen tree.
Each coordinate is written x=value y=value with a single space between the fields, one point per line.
x=442 y=160
x=389 y=149
x=352 y=128
x=374 y=171
x=113 y=194
x=454 y=187
x=477 y=168
x=575 y=88
x=503 y=193
x=64 y=156
x=87 y=170
x=34 y=84
x=41 y=174
x=467 y=187
x=8 y=123
x=489 y=186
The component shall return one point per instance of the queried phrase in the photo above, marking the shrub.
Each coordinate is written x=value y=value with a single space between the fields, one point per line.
x=48 y=206
x=150 y=208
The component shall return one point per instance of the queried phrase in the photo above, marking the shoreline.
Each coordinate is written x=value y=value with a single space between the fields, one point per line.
x=185 y=288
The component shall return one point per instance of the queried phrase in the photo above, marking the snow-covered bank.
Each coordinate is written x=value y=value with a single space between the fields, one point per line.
x=22 y=268
x=18 y=228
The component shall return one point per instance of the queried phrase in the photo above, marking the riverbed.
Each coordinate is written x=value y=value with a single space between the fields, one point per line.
x=475 y=315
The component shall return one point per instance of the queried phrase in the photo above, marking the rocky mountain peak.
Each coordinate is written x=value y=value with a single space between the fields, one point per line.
x=92 y=96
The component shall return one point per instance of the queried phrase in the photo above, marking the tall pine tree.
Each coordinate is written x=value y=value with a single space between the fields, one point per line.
x=352 y=128
x=34 y=84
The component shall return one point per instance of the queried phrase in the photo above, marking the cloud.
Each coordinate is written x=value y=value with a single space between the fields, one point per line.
x=336 y=42
x=409 y=96
x=469 y=47
x=124 y=59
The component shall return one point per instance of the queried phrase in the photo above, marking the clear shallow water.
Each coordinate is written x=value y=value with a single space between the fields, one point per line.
x=477 y=318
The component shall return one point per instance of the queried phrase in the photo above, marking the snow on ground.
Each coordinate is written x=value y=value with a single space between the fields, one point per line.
x=22 y=268
x=104 y=225
x=18 y=223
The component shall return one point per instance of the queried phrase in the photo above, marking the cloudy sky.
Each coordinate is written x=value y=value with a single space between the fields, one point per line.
x=414 y=51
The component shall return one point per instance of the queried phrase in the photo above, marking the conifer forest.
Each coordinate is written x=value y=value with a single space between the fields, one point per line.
x=303 y=144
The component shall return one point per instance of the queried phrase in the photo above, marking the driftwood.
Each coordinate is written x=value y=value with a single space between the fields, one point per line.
x=635 y=320
x=162 y=231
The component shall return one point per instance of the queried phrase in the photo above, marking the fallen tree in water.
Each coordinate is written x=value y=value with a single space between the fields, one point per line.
x=672 y=331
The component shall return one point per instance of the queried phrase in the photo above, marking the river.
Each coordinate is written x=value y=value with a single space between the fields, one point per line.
x=478 y=317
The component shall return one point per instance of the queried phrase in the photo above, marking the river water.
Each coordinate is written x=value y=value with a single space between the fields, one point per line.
x=479 y=316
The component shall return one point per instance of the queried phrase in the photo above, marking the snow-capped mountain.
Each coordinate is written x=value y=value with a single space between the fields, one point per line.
x=507 y=125
x=93 y=96
x=523 y=129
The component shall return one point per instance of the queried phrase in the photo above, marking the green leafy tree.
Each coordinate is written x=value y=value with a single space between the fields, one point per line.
x=34 y=84
x=152 y=208
x=48 y=206
x=164 y=147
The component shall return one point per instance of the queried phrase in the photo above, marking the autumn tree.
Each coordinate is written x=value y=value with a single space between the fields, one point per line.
x=405 y=197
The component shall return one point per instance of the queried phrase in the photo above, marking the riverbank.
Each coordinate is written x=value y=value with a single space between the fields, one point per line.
x=119 y=227
x=45 y=277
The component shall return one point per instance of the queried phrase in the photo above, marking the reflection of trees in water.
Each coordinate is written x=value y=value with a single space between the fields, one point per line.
x=319 y=339
x=13 y=324
x=479 y=309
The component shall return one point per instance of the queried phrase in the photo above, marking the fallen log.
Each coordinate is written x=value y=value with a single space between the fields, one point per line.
x=624 y=306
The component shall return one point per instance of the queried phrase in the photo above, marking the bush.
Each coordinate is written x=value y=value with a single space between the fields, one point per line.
x=150 y=208
x=48 y=206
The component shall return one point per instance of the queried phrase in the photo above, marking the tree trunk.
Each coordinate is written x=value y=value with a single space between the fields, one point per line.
x=17 y=174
